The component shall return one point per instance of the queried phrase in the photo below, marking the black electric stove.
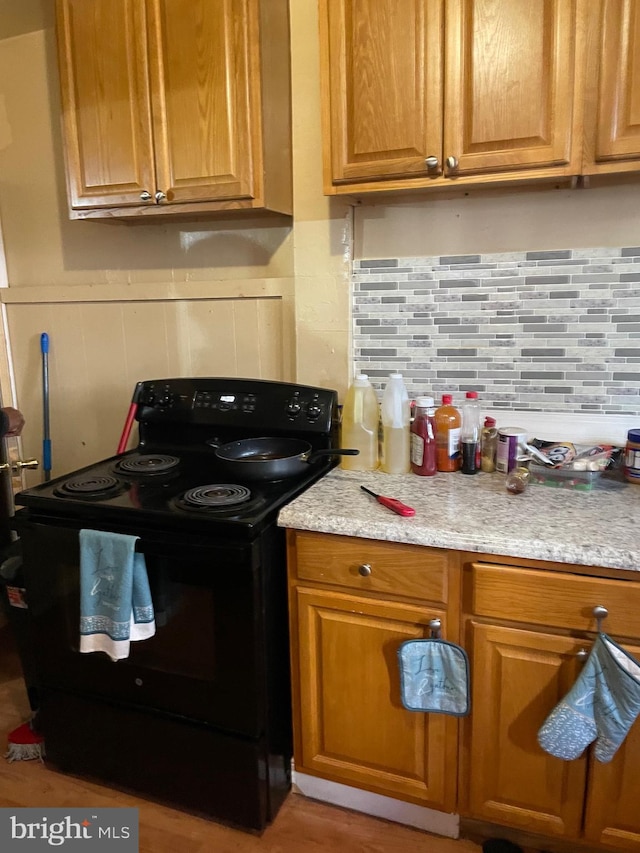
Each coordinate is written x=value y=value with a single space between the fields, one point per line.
x=199 y=715
x=173 y=477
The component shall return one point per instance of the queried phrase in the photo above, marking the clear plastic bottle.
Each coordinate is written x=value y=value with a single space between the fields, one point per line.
x=448 y=421
x=488 y=445
x=470 y=434
x=395 y=427
x=359 y=428
x=423 y=438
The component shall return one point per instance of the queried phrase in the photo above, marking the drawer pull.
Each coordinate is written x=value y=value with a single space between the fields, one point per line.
x=600 y=613
x=582 y=654
x=364 y=570
x=435 y=626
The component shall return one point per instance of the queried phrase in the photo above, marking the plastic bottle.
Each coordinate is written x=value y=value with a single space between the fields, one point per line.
x=423 y=438
x=488 y=445
x=395 y=427
x=360 y=416
x=470 y=433
x=447 y=419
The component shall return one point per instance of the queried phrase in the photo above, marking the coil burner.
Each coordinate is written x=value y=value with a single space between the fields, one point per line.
x=218 y=496
x=89 y=486
x=147 y=465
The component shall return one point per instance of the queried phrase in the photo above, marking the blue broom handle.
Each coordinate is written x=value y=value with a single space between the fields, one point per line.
x=46 y=442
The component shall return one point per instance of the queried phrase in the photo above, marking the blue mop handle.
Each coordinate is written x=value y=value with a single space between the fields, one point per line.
x=46 y=441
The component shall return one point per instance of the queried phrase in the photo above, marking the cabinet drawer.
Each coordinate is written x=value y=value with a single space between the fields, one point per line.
x=371 y=565
x=556 y=599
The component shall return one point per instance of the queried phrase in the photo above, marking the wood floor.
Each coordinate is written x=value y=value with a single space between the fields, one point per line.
x=301 y=825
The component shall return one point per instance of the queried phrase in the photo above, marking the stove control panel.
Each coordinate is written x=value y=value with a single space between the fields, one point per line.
x=254 y=403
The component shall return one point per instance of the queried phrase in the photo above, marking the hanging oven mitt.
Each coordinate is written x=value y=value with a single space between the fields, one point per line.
x=434 y=677
x=602 y=705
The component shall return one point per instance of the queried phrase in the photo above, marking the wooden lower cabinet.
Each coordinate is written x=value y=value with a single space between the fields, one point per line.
x=612 y=816
x=348 y=619
x=519 y=674
x=518 y=677
x=527 y=628
x=355 y=729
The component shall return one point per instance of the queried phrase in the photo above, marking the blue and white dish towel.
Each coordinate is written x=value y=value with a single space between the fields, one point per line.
x=115 y=599
x=601 y=706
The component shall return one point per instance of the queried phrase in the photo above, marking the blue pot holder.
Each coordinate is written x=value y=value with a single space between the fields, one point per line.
x=601 y=706
x=434 y=677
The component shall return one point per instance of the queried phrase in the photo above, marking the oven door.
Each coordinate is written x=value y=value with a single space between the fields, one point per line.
x=207 y=661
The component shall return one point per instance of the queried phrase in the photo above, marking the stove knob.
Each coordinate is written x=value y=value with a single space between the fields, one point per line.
x=314 y=411
x=293 y=408
x=165 y=400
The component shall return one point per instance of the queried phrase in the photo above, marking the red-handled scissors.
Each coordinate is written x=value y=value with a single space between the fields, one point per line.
x=391 y=503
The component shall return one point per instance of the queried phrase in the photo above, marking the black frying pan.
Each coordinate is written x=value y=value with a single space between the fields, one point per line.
x=272 y=458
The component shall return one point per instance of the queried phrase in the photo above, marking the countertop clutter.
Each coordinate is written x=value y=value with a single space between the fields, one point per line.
x=477 y=514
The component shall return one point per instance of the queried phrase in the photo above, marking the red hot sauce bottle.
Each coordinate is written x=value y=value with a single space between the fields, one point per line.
x=423 y=438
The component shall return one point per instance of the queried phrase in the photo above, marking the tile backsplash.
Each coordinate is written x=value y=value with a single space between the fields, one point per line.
x=554 y=331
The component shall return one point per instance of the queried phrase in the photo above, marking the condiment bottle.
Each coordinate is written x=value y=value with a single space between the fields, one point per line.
x=470 y=433
x=447 y=419
x=359 y=428
x=632 y=457
x=488 y=445
x=395 y=427
x=423 y=438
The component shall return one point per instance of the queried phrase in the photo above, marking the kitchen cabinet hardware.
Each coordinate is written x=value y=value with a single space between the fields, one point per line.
x=160 y=196
x=452 y=163
x=432 y=162
x=582 y=654
x=435 y=629
x=145 y=195
x=600 y=613
x=16 y=465
x=364 y=570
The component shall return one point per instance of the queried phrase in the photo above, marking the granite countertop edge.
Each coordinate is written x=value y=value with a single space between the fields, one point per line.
x=477 y=517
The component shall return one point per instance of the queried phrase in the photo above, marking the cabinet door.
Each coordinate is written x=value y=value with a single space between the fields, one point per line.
x=518 y=677
x=382 y=91
x=612 y=816
x=105 y=101
x=509 y=85
x=613 y=141
x=350 y=725
x=205 y=83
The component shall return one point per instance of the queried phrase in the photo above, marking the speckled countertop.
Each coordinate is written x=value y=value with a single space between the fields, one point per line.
x=476 y=513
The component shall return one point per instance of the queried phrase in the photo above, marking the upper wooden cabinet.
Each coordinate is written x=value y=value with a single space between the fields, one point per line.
x=471 y=90
x=175 y=106
x=612 y=120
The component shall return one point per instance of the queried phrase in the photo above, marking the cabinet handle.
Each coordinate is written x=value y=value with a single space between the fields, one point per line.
x=582 y=654
x=432 y=162
x=600 y=613
x=160 y=196
x=452 y=163
x=435 y=626
x=18 y=464
x=146 y=195
x=364 y=570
